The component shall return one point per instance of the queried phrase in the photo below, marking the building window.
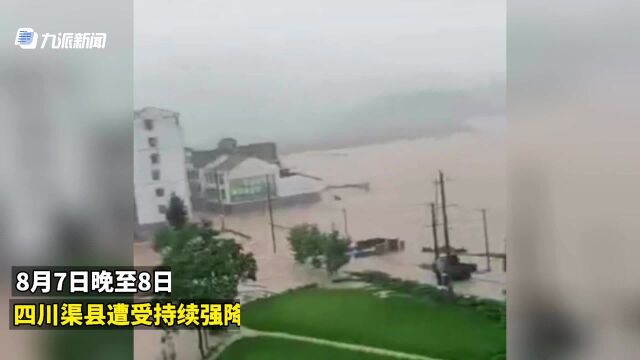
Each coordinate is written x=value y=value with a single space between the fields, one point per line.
x=210 y=178
x=220 y=179
x=162 y=209
x=155 y=174
x=148 y=124
x=211 y=193
x=155 y=158
x=192 y=174
x=159 y=192
x=153 y=141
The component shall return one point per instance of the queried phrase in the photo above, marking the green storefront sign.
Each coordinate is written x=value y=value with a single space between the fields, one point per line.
x=250 y=189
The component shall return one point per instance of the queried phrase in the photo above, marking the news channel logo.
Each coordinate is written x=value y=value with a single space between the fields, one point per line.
x=26 y=38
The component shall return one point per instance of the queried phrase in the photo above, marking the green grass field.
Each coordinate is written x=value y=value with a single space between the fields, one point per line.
x=400 y=323
x=262 y=348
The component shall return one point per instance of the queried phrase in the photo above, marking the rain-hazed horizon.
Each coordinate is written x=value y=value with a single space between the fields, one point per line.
x=317 y=75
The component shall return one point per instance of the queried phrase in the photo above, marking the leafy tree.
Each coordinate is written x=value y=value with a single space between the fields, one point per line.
x=306 y=243
x=310 y=245
x=204 y=266
x=177 y=212
x=335 y=252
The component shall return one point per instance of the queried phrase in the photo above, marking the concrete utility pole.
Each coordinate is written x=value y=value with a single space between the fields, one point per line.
x=220 y=204
x=445 y=221
x=434 y=229
x=346 y=226
x=504 y=261
x=486 y=238
x=273 y=234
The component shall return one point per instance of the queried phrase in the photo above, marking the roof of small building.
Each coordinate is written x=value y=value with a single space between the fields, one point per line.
x=264 y=151
x=200 y=158
x=230 y=162
x=155 y=111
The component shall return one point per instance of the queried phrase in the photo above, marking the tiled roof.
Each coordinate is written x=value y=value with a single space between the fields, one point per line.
x=263 y=151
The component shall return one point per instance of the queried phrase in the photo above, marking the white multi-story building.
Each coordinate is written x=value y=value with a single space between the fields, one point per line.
x=233 y=177
x=159 y=164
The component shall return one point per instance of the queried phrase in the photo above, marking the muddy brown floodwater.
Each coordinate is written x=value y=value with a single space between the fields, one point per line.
x=401 y=176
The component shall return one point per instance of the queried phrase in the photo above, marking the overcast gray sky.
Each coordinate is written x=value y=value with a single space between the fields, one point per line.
x=296 y=71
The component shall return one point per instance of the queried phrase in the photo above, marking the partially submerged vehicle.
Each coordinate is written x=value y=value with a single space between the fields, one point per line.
x=376 y=246
x=449 y=268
